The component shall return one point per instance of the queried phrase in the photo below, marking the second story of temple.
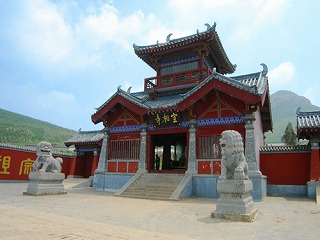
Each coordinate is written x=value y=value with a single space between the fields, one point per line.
x=182 y=63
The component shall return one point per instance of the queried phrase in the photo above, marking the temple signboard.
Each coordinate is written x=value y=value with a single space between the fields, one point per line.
x=167 y=118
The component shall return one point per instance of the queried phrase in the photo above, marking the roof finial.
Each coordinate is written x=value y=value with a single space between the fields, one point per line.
x=265 y=69
x=119 y=88
x=129 y=90
x=208 y=26
x=214 y=70
x=298 y=111
x=211 y=28
x=168 y=37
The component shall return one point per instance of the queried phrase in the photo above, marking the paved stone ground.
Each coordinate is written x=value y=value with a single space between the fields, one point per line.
x=86 y=214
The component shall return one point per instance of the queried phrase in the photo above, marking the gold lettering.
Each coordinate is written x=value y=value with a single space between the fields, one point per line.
x=26 y=166
x=174 y=117
x=165 y=118
x=158 y=120
x=5 y=164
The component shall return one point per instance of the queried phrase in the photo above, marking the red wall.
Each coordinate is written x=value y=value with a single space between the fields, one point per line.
x=130 y=166
x=17 y=164
x=209 y=167
x=286 y=168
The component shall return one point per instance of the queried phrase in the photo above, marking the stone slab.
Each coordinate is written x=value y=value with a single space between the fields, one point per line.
x=234 y=186
x=248 y=217
x=235 y=199
x=46 y=176
x=45 y=183
x=235 y=206
x=43 y=193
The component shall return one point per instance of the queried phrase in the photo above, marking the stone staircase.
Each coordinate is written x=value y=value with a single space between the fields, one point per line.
x=153 y=186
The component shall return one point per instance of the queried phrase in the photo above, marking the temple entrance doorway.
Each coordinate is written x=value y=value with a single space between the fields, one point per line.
x=168 y=153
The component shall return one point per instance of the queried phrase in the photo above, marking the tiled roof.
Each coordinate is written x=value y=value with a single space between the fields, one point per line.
x=255 y=84
x=209 y=36
x=169 y=42
x=308 y=119
x=86 y=137
x=297 y=148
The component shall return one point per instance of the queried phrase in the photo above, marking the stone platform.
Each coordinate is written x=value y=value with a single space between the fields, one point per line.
x=45 y=184
x=235 y=202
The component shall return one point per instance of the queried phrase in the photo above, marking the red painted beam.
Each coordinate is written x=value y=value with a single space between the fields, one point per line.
x=97 y=117
x=223 y=87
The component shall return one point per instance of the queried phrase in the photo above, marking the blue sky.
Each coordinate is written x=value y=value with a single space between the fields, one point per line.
x=61 y=59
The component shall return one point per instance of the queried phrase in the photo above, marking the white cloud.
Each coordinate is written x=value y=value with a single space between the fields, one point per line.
x=94 y=38
x=312 y=93
x=245 y=18
x=282 y=75
x=43 y=32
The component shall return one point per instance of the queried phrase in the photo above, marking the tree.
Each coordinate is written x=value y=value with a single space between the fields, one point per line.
x=289 y=137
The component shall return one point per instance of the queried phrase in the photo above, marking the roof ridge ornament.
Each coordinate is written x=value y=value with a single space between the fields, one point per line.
x=168 y=37
x=129 y=90
x=298 y=111
x=211 y=28
x=265 y=69
x=119 y=88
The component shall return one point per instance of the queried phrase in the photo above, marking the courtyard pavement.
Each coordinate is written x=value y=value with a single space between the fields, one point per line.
x=87 y=215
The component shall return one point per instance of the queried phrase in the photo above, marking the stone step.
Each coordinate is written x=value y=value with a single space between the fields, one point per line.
x=143 y=191
x=153 y=186
x=146 y=197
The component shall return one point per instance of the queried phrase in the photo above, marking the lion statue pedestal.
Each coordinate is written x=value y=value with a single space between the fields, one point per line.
x=235 y=202
x=45 y=183
x=46 y=177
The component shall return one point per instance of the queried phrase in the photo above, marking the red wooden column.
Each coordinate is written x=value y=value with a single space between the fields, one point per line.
x=315 y=160
x=94 y=162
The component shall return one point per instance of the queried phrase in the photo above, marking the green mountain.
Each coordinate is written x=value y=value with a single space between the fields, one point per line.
x=283 y=107
x=21 y=130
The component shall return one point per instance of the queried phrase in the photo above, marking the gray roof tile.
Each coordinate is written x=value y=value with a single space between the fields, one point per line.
x=308 y=119
x=86 y=137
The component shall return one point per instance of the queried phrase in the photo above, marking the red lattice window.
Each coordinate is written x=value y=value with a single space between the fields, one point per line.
x=124 y=149
x=209 y=147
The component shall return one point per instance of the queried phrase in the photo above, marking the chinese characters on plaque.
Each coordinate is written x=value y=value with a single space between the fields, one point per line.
x=167 y=118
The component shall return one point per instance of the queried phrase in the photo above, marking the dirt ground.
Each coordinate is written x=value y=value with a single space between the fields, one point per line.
x=86 y=214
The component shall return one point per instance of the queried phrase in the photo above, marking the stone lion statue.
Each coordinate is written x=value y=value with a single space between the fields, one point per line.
x=45 y=160
x=233 y=162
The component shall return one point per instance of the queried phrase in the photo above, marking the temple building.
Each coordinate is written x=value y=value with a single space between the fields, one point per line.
x=169 y=133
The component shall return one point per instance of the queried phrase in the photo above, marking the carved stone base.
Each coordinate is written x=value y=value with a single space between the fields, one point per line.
x=45 y=184
x=236 y=217
x=235 y=202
